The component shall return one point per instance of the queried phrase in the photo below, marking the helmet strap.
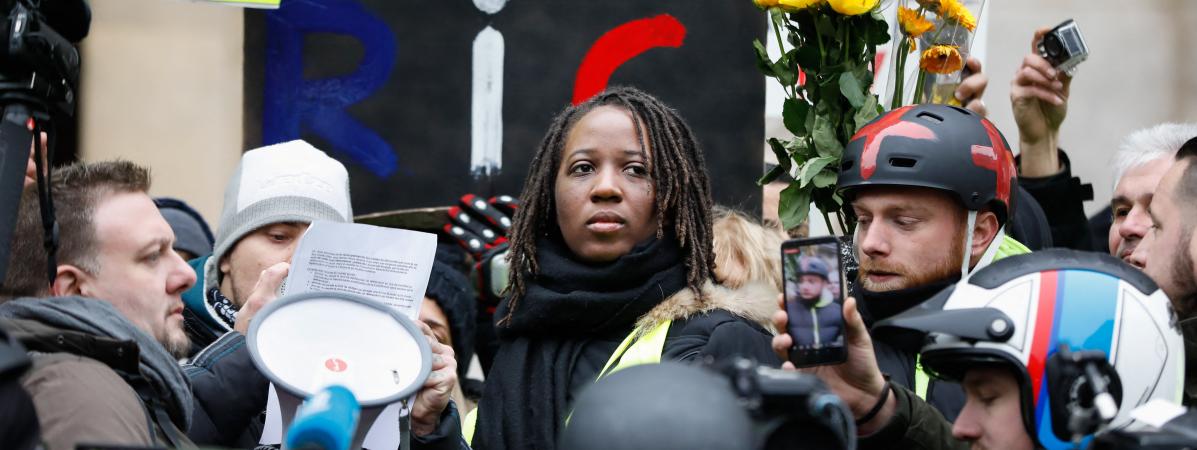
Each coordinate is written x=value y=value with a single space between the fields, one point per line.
x=968 y=243
x=990 y=252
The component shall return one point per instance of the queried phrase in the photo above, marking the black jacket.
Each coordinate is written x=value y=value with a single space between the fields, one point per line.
x=1062 y=197
x=915 y=425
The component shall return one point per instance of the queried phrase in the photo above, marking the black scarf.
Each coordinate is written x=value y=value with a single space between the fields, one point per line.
x=226 y=311
x=524 y=402
x=883 y=305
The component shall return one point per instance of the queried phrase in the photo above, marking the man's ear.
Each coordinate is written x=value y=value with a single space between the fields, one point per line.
x=984 y=232
x=69 y=280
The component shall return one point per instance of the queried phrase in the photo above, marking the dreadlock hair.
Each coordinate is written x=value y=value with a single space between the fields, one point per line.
x=682 y=190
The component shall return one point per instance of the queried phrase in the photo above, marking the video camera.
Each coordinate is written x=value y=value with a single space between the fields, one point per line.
x=39 y=74
x=791 y=409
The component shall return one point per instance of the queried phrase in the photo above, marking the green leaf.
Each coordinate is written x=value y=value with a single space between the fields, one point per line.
x=793 y=114
x=825 y=139
x=768 y=177
x=800 y=149
x=813 y=167
x=763 y=63
x=779 y=150
x=825 y=178
x=850 y=87
x=810 y=121
x=826 y=28
x=878 y=30
x=867 y=112
x=808 y=59
x=793 y=205
x=785 y=71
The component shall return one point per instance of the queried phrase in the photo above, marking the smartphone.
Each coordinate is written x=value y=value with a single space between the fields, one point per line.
x=814 y=300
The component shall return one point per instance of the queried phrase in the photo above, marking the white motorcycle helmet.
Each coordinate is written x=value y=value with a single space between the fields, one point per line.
x=1071 y=324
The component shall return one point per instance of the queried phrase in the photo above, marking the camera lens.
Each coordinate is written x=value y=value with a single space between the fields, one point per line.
x=1053 y=47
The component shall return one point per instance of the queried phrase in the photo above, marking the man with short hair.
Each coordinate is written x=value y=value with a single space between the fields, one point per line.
x=1168 y=251
x=931 y=187
x=1139 y=166
x=104 y=345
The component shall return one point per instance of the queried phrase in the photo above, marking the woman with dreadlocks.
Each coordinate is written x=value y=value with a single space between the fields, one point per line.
x=611 y=266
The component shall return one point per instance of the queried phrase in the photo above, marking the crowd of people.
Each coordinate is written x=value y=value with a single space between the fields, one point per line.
x=617 y=256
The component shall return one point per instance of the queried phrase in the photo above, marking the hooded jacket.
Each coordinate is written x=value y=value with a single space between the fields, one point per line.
x=96 y=378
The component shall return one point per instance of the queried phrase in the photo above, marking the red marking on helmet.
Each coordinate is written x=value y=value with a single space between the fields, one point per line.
x=889 y=125
x=1044 y=320
x=998 y=159
x=335 y=364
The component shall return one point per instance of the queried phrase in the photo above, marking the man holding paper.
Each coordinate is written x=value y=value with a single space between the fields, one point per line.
x=276 y=192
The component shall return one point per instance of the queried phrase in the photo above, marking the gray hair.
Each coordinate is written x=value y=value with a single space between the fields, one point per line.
x=1149 y=144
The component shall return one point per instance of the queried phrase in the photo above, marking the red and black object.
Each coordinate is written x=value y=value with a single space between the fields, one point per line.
x=934 y=146
x=480 y=225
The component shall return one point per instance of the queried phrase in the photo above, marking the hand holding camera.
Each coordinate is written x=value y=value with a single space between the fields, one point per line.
x=1039 y=95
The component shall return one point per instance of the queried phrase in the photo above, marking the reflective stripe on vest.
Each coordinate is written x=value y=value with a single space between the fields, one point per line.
x=467 y=426
x=638 y=348
x=1008 y=247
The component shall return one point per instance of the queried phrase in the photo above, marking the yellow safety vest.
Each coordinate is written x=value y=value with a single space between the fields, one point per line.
x=640 y=347
x=1008 y=247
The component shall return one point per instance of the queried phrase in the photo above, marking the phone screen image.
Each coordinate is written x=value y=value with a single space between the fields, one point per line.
x=814 y=300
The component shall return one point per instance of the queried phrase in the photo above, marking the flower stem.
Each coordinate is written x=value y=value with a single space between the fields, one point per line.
x=822 y=52
x=781 y=49
x=900 y=74
x=918 y=86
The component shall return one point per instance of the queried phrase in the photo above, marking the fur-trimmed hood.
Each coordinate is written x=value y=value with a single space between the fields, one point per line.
x=756 y=301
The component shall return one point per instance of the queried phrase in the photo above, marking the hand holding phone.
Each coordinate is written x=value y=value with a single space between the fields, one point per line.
x=814 y=300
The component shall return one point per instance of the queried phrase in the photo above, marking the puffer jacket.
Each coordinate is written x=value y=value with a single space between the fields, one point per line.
x=95 y=378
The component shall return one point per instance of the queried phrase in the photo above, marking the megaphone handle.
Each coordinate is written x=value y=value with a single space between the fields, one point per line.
x=405 y=427
x=288 y=406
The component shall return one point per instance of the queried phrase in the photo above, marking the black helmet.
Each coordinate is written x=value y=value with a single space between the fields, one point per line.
x=935 y=146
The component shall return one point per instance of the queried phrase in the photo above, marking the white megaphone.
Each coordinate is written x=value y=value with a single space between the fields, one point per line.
x=306 y=342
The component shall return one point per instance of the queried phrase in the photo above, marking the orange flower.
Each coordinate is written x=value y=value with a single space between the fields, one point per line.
x=942 y=59
x=955 y=11
x=913 y=23
x=910 y=42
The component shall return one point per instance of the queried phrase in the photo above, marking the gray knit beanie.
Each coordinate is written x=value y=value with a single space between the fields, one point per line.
x=287 y=182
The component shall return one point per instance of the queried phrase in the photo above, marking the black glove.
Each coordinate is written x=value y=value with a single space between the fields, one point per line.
x=480 y=227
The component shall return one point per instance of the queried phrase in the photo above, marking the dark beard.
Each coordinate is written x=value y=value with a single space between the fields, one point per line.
x=1182 y=272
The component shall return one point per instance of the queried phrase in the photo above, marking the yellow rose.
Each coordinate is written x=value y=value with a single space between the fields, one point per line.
x=853 y=7
x=765 y=4
x=796 y=5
